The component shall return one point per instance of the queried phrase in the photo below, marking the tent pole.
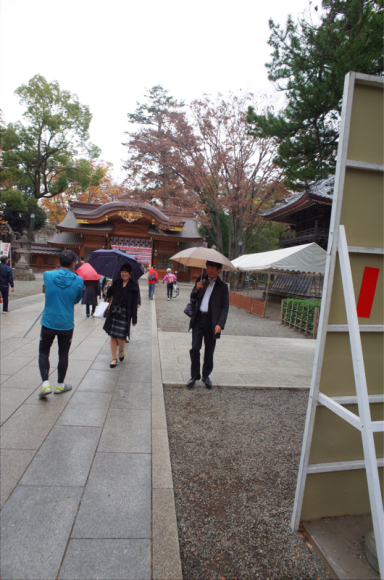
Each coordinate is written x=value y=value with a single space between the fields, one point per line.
x=266 y=294
x=248 y=286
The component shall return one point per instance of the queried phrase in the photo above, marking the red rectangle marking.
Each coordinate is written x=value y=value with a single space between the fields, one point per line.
x=367 y=292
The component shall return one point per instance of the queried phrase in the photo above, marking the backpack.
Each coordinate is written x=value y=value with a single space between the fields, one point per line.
x=152 y=277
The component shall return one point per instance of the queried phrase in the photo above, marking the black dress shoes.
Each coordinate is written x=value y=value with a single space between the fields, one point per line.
x=191 y=382
x=208 y=382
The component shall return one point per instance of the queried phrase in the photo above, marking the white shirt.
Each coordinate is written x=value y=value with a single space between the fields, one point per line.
x=205 y=301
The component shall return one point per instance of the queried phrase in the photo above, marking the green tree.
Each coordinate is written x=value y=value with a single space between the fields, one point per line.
x=43 y=156
x=17 y=207
x=309 y=63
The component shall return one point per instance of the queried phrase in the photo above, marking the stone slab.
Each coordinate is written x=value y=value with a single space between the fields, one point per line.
x=340 y=543
x=126 y=431
x=132 y=396
x=13 y=463
x=135 y=374
x=107 y=560
x=161 y=462
x=159 y=420
x=117 y=498
x=10 y=400
x=65 y=457
x=86 y=409
x=36 y=523
x=166 y=551
x=29 y=426
x=249 y=362
x=99 y=382
x=26 y=378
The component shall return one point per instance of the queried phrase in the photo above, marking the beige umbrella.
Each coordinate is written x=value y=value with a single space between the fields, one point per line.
x=199 y=255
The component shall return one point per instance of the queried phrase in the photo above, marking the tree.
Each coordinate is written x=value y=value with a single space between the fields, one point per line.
x=207 y=162
x=17 y=207
x=153 y=177
x=41 y=156
x=102 y=189
x=309 y=63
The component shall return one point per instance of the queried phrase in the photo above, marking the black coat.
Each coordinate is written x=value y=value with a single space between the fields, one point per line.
x=218 y=305
x=6 y=275
x=91 y=292
x=120 y=294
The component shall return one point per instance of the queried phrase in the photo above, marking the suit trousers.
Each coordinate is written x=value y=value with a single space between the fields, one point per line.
x=202 y=329
x=4 y=290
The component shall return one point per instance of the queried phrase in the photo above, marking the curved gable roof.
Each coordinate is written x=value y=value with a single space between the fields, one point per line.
x=97 y=213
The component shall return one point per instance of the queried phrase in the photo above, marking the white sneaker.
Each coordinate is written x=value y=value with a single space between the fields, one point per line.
x=62 y=388
x=45 y=391
x=168 y=298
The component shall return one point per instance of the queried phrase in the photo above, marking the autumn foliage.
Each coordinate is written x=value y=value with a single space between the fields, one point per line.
x=203 y=159
x=107 y=191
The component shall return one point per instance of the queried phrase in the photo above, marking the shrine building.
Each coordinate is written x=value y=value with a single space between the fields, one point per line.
x=139 y=229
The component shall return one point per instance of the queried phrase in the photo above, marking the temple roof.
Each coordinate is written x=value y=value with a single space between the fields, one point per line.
x=65 y=239
x=98 y=219
x=189 y=231
x=318 y=193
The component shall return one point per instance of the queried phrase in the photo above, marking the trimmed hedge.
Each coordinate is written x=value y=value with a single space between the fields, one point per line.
x=289 y=313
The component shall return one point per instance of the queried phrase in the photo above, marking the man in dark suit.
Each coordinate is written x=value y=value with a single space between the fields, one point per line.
x=208 y=320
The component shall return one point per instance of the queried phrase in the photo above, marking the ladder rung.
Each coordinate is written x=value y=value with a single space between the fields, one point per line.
x=364 y=165
x=362 y=328
x=364 y=250
x=340 y=466
x=352 y=399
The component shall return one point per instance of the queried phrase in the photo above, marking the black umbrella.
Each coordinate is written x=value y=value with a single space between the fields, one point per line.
x=109 y=262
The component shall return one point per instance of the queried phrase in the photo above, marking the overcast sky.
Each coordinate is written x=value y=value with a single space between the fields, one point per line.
x=109 y=52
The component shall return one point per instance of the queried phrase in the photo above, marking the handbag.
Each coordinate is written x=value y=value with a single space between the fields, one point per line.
x=188 y=310
x=102 y=310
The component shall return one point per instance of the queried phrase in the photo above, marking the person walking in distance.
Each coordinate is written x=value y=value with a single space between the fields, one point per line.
x=92 y=290
x=152 y=279
x=170 y=279
x=211 y=299
x=6 y=281
x=79 y=263
x=63 y=289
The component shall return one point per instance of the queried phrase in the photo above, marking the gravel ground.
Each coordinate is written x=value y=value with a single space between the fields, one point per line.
x=30 y=288
x=171 y=317
x=235 y=456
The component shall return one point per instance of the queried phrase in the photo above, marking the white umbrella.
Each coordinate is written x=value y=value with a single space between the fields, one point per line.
x=198 y=257
x=32 y=325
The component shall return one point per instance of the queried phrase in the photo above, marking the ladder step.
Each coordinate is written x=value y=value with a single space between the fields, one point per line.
x=364 y=165
x=365 y=250
x=352 y=399
x=340 y=466
x=362 y=328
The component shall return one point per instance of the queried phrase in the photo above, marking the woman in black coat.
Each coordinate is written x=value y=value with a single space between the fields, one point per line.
x=91 y=292
x=122 y=312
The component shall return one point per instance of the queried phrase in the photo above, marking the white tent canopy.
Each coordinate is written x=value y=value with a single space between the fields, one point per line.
x=306 y=258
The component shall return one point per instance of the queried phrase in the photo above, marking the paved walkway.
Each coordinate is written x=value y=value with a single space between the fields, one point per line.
x=86 y=482
x=86 y=478
x=242 y=361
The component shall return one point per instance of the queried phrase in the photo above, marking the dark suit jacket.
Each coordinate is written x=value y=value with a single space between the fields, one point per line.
x=217 y=308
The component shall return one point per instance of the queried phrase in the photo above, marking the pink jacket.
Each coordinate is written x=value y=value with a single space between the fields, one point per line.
x=170 y=278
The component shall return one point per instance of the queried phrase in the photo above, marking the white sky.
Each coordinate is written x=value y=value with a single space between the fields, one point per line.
x=109 y=52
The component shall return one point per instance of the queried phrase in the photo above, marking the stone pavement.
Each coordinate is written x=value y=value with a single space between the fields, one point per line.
x=86 y=483
x=242 y=361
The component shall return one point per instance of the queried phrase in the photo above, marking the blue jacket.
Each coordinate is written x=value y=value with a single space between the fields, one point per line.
x=6 y=276
x=63 y=289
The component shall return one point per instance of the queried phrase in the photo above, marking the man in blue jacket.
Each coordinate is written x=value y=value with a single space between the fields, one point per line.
x=6 y=281
x=63 y=289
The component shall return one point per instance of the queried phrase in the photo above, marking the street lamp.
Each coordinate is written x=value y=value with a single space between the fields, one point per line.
x=240 y=244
